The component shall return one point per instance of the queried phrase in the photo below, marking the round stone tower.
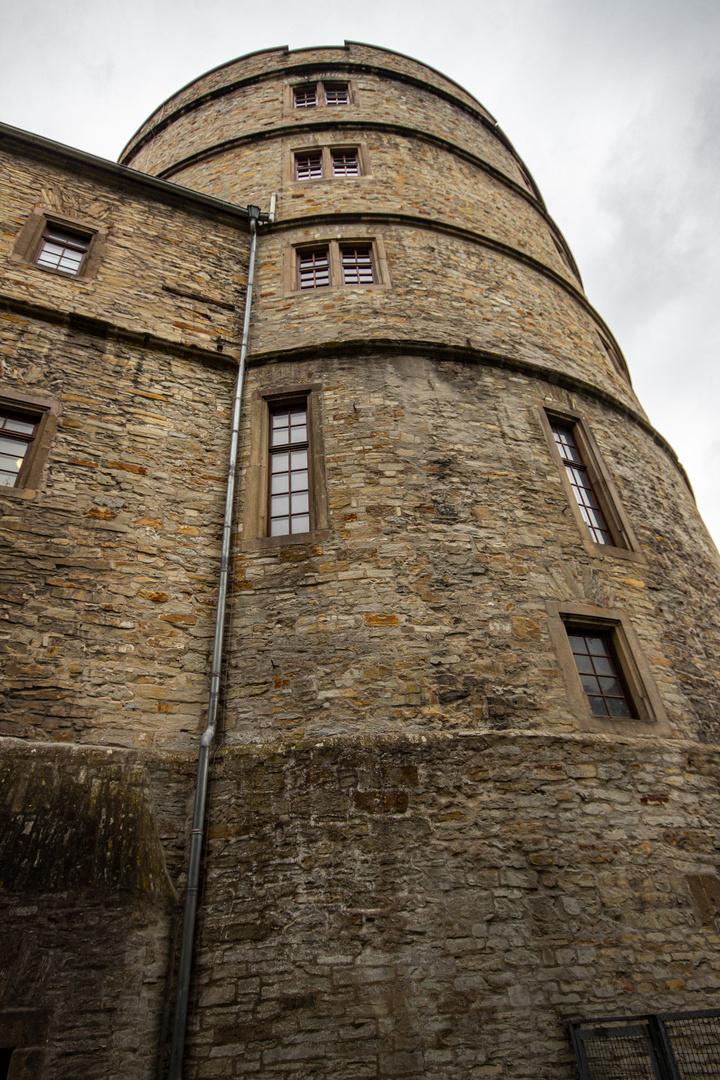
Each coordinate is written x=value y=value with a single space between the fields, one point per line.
x=468 y=778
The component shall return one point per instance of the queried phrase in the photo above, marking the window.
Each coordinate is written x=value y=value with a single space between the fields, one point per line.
x=313 y=269
x=318 y=94
x=345 y=163
x=289 y=506
x=305 y=96
x=337 y=93
x=309 y=166
x=27 y=425
x=591 y=492
x=608 y=680
x=599 y=671
x=285 y=491
x=357 y=265
x=577 y=473
x=50 y=242
x=62 y=250
x=17 y=434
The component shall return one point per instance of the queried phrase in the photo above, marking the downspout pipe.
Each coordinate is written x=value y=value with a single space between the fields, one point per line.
x=177 y=1043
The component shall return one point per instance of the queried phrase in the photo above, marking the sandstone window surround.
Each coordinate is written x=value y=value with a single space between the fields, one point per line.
x=591 y=492
x=305 y=97
x=60 y=245
x=326 y=162
x=341 y=263
x=28 y=423
x=268 y=410
x=568 y=623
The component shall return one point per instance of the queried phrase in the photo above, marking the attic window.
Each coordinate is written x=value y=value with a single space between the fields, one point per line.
x=62 y=250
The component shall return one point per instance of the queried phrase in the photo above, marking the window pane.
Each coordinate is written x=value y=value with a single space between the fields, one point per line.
x=299 y=481
x=300 y=503
x=280 y=505
x=298 y=459
x=598 y=706
x=298 y=434
x=11 y=464
x=279 y=483
x=280 y=526
x=280 y=462
x=301 y=524
x=25 y=427
x=618 y=707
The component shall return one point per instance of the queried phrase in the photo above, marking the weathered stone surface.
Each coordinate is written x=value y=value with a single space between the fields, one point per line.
x=419 y=862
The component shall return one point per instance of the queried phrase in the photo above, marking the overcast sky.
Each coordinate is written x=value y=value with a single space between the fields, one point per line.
x=613 y=104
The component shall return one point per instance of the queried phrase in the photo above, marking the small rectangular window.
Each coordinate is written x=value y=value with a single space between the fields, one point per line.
x=62 y=250
x=313 y=268
x=305 y=96
x=577 y=473
x=308 y=166
x=289 y=496
x=345 y=163
x=17 y=434
x=600 y=673
x=357 y=264
x=336 y=93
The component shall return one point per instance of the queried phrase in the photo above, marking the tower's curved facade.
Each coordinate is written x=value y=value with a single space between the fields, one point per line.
x=445 y=525
x=466 y=783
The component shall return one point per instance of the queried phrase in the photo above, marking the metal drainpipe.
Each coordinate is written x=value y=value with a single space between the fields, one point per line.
x=177 y=1043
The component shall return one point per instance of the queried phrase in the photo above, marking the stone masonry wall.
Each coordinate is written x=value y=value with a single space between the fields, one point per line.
x=109 y=576
x=425 y=607
x=439 y=907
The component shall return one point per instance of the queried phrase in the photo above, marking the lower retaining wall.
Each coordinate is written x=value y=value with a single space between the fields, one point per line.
x=392 y=908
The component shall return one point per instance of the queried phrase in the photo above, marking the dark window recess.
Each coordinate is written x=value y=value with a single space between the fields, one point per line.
x=17 y=432
x=345 y=163
x=600 y=673
x=357 y=264
x=580 y=481
x=289 y=510
x=6 y=1053
x=305 y=97
x=62 y=250
x=336 y=94
x=313 y=269
x=308 y=166
x=664 y=1046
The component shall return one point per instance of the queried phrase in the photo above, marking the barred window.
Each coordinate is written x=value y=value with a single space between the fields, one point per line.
x=357 y=264
x=337 y=93
x=308 y=166
x=62 y=250
x=305 y=96
x=345 y=163
x=313 y=268
x=600 y=673
x=17 y=433
x=577 y=472
x=289 y=496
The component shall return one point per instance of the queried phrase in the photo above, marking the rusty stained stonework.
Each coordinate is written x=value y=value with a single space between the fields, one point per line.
x=423 y=855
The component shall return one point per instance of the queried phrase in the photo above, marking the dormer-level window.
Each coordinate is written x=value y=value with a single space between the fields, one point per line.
x=305 y=96
x=337 y=93
x=309 y=166
x=62 y=250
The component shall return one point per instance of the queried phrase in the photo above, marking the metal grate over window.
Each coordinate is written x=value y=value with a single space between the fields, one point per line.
x=313 y=269
x=308 y=166
x=16 y=436
x=305 y=96
x=62 y=250
x=580 y=481
x=357 y=265
x=289 y=510
x=336 y=94
x=345 y=163
x=666 y=1046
